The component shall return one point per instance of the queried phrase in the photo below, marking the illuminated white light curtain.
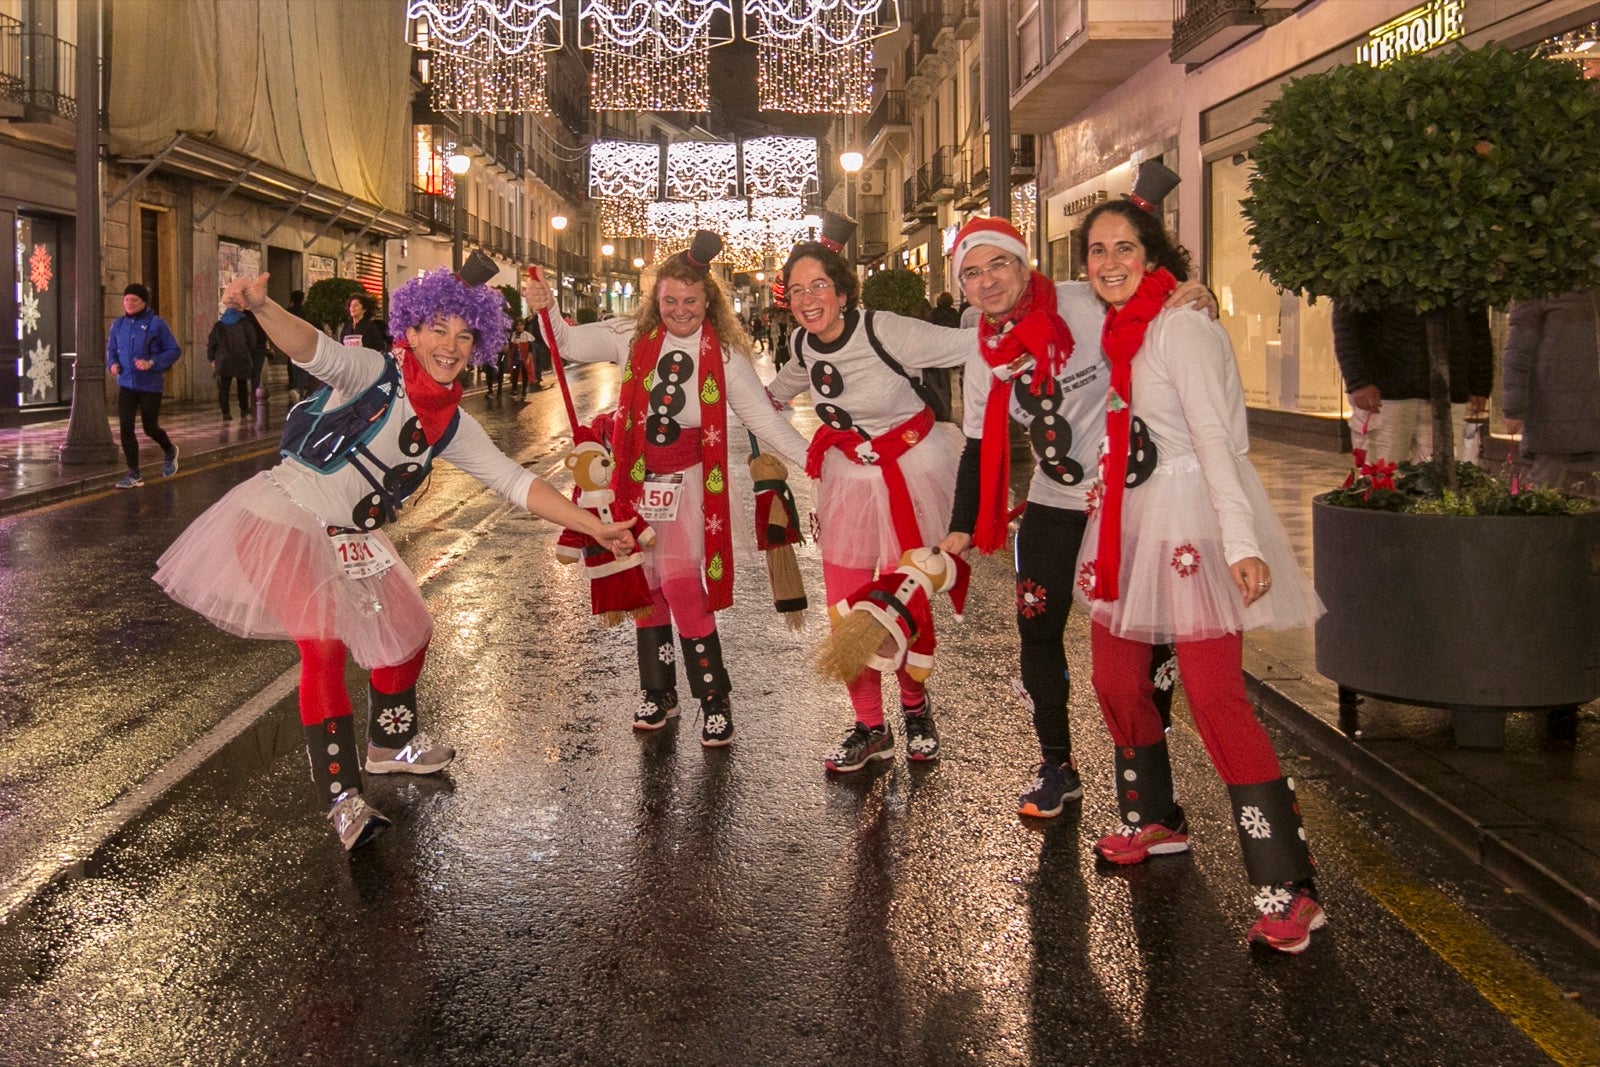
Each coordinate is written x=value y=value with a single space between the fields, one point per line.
x=671 y=225
x=780 y=166
x=626 y=170
x=479 y=80
x=623 y=217
x=775 y=208
x=745 y=244
x=702 y=170
x=815 y=56
x=509 y=27
x=651 y=56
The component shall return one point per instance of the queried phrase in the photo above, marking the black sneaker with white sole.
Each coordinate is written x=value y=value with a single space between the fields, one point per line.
x=859 y=747
x=655 y=709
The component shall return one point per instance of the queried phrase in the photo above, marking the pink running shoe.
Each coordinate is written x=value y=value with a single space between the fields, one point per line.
x=1135 y=844
x=1288 y=915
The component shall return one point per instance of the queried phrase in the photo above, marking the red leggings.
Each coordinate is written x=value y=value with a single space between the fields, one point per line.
x=322 y=692
x=1213 y=680
x=866 y=692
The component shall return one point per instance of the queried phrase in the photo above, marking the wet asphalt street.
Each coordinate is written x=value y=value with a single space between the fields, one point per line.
x=570 y=892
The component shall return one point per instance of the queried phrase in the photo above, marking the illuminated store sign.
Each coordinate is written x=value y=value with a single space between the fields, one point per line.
x=1418 y=30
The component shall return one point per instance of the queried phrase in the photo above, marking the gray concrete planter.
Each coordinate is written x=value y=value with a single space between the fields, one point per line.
x=1472 y=614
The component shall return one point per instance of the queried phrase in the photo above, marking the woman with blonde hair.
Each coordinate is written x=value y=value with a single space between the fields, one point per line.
x=685 y=359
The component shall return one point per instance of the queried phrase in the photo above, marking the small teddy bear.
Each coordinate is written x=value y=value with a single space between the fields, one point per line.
x=617 y=586
x=889 y=621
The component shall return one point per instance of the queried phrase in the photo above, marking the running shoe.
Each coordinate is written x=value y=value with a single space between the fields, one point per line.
x=354 y=820
x=420 y=755
x=922 y=736
x=131 y=480
x=716 y=721
x=655 y=709
x=1135 y=844
x=169 y=465
x=860 y=747
x=1052 y=786
x=1289 y=913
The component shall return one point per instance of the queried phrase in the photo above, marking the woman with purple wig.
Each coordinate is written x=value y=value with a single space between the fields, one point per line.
x=297 y=552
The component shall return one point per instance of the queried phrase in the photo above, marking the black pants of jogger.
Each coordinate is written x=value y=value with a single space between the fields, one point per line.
x=1046 y=559
x=148 y=408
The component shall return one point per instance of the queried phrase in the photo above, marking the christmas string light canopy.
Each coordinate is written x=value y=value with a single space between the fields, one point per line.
x=780 y=166
x=510 y=27
x=483 y=81
x=625 y=170
x=652 y=56
x=702 y=170
x=815 y=56
x=623 y=217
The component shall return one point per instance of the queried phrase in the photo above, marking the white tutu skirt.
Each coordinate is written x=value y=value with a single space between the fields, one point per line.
x=1175 y=584
x=853 y=502
x=259 y=565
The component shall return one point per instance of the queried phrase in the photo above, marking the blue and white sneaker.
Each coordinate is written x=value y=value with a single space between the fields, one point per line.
x=1052 y=786
x=131 y=480
x=169 y=465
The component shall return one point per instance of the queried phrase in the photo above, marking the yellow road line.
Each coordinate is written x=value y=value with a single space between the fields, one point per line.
x=1564 y=1031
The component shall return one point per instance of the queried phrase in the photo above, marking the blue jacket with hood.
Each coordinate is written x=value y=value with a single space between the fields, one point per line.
x=141 y=336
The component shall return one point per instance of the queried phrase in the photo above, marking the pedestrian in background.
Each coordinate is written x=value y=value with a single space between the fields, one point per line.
x=1383 y=356
x=1183 y=547
x=301 y=384
x=235 y=345
x=887 y=469
x=519 y=358
x=686 y=364
x=140 y=349
x=362 y=329
x=944 y=312
x=1551 y=377
x=298 y=552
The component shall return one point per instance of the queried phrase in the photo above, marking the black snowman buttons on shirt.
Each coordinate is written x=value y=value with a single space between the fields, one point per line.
x=1049 y=433
x=668 y=397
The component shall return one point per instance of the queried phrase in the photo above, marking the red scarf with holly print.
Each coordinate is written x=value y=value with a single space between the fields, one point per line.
x=434 y=404
x=1037 y=330
x=1121 y=338
x=634 y=455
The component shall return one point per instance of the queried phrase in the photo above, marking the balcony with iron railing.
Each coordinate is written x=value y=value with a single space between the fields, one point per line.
x=434 y=209
x=888 y=111
x=1069 y=55
x=1204 y=29
x=37 y=70
x=1023 y=165
x=943 y=173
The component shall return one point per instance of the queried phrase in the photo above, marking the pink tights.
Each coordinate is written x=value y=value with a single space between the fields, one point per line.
x=866 y=692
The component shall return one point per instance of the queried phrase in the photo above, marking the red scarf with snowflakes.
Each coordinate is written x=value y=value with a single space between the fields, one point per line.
x=1121 y=338
x=1038 y=330
x=434 y=404
x=634 y=455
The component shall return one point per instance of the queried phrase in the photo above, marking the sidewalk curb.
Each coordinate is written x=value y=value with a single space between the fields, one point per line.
x=1481 y=844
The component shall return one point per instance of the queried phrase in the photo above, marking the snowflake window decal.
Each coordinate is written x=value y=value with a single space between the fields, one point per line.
x=28 y=311
x=40 y=268
x=41 y=371
x=1185 y=560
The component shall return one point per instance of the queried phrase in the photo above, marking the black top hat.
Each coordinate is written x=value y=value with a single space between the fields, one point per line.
x=478 y=268
x=836 y=231
x=701 y=251
x=1154 y=182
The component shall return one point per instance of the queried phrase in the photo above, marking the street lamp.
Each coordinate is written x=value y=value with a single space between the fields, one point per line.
x=558 y=223
x=458 y=165
x=851 y=163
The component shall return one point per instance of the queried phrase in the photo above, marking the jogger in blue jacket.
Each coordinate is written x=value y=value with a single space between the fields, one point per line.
x=139 y=349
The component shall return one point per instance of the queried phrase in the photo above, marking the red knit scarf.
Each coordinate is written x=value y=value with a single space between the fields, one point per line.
x=434 y=404
x=1121 y=338
x=633 y=455
x=1037 y=330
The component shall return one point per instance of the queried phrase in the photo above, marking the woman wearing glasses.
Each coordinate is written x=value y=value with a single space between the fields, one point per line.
x=886 y=469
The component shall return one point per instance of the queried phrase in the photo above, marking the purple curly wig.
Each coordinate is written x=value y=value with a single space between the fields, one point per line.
x=428 y=296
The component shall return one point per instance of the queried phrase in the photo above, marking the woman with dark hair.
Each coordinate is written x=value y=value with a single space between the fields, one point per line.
x=297 y=552
x=1183 y=547
x=886 y=469
x=685 y=360
x=364 y=331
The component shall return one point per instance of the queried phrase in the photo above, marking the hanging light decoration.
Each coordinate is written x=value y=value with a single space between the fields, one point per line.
x=623 y=217
x=780 y=166
x=482 y=81
x=629 y=170
x=815 y=56
x=671 y=224
x=486 y=56
x=1024 y=212
x=775 y=208
x=510 y=27
x=651 y=56
x=702 y=170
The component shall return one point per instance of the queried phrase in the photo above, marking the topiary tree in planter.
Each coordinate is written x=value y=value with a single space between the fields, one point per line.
x=899 y=291
x=328 y=301
x=1463 y=177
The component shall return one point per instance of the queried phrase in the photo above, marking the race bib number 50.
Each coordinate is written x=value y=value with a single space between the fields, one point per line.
x=658 y=501
x=361 y=554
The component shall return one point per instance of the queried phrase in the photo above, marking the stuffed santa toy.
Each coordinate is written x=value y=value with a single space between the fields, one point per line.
x=888 y=622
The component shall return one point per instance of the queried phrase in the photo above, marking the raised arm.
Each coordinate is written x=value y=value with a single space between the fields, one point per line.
x=294 y=336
